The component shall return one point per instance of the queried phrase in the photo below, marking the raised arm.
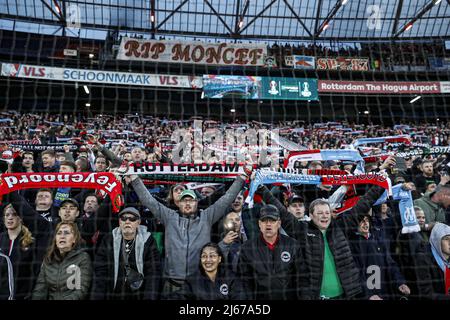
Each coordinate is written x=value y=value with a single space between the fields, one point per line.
x=160 y=211
x=219 y=209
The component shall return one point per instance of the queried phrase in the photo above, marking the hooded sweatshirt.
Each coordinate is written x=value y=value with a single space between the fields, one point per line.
x=441 y=230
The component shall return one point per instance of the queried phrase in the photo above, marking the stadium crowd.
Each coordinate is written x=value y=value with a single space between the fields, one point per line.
x=202 y=241
x=387 y=54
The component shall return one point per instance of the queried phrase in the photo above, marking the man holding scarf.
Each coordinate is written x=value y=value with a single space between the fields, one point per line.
x=327 y=268
x=187 y=230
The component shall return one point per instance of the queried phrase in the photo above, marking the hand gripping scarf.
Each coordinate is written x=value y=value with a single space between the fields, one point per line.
x=405 y=206
x=264 y=176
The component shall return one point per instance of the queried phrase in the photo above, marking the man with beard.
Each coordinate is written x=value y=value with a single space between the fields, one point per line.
x=186 y=230
x=127 y=264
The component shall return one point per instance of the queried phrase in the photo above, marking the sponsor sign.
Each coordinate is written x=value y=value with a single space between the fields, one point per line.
x=342 y=63
x=242 y=54
x=379 y=87
x=99 y=76
x=300 y=62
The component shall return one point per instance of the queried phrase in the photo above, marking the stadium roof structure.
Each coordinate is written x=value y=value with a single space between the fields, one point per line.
x=238 y=20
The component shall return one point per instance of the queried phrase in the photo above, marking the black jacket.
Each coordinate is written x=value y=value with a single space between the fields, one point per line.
x=6 y=278
x=199 y=287
x=104 y=288
x=312 y=248
x=267 y=274
x=24 y=265
x=374 y=252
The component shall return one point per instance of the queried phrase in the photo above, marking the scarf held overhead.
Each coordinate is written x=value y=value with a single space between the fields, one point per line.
x=105 y=181
x=294 y=158
x=270 y=177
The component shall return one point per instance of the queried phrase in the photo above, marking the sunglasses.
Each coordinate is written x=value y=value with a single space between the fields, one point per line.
x=131 y=218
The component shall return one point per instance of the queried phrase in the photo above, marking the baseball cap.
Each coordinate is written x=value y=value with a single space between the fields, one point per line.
x=269 y=211
x=131 y=210
x=295 y=198
x=188 y=193
x=71 y=200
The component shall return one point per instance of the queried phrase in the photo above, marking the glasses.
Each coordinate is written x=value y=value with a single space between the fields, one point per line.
x=212 y=256
x=63 y=232
x=131 y=218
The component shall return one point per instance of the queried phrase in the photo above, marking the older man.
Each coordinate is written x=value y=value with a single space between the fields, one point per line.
x=127 y=264
x=327 y=269
x=268 y=264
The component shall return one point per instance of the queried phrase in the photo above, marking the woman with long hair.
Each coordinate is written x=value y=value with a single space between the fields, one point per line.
x=18 y=244
x=66 y=272
x=213 y=281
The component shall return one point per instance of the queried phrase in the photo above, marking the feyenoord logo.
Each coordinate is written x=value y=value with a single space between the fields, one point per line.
x=224 y=289
x=285 y=256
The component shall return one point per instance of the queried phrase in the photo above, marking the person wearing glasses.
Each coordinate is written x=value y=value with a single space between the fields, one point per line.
x=66 y=272
x=127 y=264
x=186 y=230
x=213 y=281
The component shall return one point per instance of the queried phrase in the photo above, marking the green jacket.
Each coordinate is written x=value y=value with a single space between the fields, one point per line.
x=69 y=279
x=433 y=211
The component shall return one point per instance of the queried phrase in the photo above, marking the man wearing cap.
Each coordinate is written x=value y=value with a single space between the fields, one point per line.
x=268 y=264
x=69 y=210
x=186 y=230
x=127 y=264
x=328 y=270
x=296 y=207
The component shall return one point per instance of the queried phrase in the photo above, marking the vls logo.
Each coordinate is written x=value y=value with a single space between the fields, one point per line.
x=74 y=281
x=374 y=19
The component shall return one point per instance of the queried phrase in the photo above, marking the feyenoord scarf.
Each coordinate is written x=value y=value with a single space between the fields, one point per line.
x=191 y=172
x=295 y=157
x=105 y=181
x=420 y=151
x=424 y=151
x=269 y=177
